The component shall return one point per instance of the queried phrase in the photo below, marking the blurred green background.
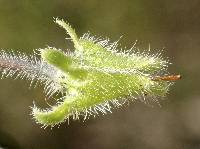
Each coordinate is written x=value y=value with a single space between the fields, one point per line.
x=26 y=25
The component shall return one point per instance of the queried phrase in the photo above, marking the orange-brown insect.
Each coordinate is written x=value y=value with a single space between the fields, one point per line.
x=167 y=78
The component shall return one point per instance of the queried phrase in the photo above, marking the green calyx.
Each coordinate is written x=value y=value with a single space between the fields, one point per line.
x=97 y=78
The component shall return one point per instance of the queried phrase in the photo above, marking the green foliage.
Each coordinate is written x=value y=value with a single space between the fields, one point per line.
x=97 y=77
